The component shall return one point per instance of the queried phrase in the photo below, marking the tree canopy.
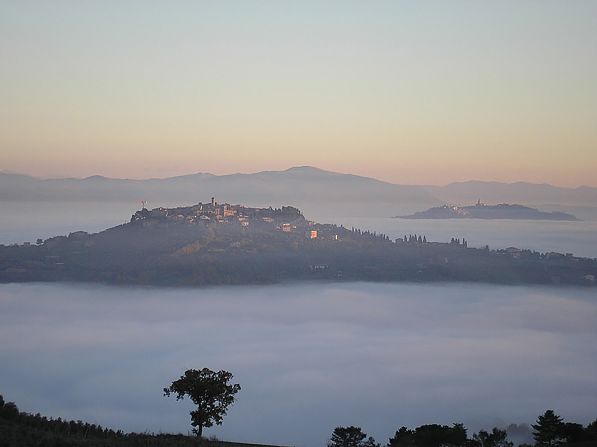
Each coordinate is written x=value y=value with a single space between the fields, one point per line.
x=210 y=391
x=494 y=438
x=350 y=437
x=548 y=430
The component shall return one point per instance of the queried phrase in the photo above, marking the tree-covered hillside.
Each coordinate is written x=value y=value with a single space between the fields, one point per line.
x=209 y=244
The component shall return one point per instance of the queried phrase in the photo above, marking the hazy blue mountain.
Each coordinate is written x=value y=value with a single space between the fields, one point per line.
x=316 y=191
x=312 y=189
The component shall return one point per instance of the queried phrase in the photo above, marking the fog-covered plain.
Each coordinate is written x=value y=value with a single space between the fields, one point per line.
x=308 y=357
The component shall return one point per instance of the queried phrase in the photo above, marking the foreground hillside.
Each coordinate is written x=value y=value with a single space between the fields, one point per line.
x=20 y=429
x=215 y=243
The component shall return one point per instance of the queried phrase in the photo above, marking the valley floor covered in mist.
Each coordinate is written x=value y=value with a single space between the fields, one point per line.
x=308 y=357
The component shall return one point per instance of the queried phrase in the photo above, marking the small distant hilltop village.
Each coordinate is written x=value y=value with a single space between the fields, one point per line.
x=482 y=211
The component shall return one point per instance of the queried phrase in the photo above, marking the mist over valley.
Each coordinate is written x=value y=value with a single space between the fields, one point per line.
x=309 y=357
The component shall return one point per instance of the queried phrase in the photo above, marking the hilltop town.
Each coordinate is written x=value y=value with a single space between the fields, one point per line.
x=286 y=219
x=220 y=243
x=246 y=222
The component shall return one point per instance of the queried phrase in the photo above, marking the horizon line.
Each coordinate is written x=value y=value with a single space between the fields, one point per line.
x=297 y=167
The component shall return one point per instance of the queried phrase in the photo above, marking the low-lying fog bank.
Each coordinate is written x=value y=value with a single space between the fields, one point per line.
x=308 y=357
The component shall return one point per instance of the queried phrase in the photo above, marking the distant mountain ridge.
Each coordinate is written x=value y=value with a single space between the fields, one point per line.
x=304 y=186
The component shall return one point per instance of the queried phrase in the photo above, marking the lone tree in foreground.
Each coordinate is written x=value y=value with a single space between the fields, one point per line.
x=350 y=437
x=210 y=391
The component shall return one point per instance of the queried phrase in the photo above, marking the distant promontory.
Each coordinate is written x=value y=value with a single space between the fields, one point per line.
x=483 y=211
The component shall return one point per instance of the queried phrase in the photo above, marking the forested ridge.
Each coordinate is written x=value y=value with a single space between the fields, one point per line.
x=190 y=246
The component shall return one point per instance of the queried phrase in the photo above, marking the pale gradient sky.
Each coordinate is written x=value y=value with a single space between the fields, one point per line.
x=410 y=92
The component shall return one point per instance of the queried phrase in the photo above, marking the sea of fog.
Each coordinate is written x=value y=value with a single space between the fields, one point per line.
x=309 y=357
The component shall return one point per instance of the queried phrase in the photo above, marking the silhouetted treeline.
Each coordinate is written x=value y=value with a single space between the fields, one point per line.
x=20 y=429
x=549 y=431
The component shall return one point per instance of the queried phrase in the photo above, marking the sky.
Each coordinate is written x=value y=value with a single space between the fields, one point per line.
x=408 y=92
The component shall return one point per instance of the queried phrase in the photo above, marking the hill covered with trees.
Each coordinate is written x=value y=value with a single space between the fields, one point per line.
x=211 y=243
